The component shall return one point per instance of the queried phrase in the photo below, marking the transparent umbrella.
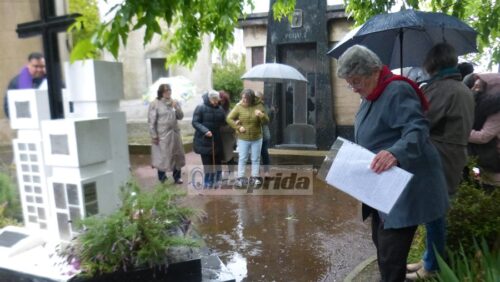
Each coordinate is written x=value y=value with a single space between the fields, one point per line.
x=273 y=72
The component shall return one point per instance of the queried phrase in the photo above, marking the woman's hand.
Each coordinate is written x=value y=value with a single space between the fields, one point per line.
x=155 y=141
x=242 y=129
x=383 y=161
x=208 y=134
x=259 y=113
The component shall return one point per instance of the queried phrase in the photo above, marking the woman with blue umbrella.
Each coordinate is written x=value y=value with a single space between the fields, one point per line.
x=391 y=123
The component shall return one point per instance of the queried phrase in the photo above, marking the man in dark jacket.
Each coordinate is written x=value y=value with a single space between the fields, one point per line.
x=31 y=76
x=207 y=120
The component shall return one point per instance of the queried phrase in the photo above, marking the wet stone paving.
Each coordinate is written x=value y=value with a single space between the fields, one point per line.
x=318 y=237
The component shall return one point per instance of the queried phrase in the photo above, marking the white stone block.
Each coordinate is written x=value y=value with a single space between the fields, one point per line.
x=15 y=240
x=91 y=80
x=76 y=142
x=35 y=255
x=27 y=107
x=76 y=198
x=92 y=109
x=120 y=161
x=31 y=178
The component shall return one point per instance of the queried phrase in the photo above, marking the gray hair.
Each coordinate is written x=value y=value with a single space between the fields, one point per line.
x=358 y=60
x=213 y=95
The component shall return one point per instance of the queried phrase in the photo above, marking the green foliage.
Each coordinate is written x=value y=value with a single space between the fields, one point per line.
x=9 y=199
x=83 y=28
x=474 y=214
x=417 y=246
x=283 y=9
x=483 y=16
x=227 y=77
x=189 y=20
x=138 y=234
x=480 y=265
x=4 y=220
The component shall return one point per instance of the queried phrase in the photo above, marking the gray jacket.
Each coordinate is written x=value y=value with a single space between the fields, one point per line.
x=395 y=122
x=451 y=115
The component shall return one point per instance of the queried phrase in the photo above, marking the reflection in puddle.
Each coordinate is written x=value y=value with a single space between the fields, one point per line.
x=282 y=238
x=237 y=264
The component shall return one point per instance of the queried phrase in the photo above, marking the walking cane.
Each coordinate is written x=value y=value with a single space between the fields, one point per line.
x=213 y=152
x=213 y=160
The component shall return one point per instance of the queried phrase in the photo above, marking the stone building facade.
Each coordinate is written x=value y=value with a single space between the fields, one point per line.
x=302 y=45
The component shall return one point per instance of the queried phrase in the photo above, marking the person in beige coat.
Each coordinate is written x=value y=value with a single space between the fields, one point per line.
x=167 y=152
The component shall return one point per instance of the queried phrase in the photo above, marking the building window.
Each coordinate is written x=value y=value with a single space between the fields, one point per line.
x=257 y=55
x=158 y=68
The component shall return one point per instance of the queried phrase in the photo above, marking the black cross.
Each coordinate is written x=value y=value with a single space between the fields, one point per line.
x=48 y=27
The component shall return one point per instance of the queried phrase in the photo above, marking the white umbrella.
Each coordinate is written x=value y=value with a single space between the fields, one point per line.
x=183 y=89
x=273 y=72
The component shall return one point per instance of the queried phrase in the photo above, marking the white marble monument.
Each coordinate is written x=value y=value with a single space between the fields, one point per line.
x=67 y=169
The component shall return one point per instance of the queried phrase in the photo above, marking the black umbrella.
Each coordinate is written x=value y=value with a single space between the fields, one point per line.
x=403 y=39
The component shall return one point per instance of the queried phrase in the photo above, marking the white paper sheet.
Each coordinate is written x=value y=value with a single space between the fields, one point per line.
x=351 y=173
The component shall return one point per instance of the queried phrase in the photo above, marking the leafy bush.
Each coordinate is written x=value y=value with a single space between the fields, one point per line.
x=480 y=265
x=9 y=198
x=474 y=214
x=228 y=77
x=139 y=234
x=418 y=245
x=4 y=221
x=82 y=30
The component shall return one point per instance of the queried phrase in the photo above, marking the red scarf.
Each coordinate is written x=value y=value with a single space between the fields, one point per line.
x=386 y=77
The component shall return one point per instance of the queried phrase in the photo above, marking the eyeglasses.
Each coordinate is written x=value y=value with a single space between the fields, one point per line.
x=355 y=82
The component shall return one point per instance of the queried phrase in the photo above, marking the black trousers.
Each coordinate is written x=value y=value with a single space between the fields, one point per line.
x=208 y=163
x=162 y=175
x=393 y=246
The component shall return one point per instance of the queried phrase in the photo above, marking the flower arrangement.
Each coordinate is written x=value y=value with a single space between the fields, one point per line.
x=137 y=235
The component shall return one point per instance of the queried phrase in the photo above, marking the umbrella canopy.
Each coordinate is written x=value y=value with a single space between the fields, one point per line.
x=273 y=72
x=403 y=39
x=183 y=89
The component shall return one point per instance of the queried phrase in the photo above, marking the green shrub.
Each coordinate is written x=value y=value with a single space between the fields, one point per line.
x=4 y=221
x=418 y=245
x=474 y=214
x=9 y=198
x=227 y=77
x=479 y=265
x=138 y=234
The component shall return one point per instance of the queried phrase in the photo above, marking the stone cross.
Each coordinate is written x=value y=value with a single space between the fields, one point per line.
x=48 y=26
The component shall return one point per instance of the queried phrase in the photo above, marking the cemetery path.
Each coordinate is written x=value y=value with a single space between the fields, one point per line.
x=279 y=238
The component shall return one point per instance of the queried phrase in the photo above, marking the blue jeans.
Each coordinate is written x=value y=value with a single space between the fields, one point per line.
x=244 y=148
x=435 y=238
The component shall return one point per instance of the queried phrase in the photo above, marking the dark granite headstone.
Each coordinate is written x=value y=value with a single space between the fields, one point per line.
x=302 y=107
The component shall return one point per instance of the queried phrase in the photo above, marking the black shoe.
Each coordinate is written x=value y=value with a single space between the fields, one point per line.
x=255 y=181
x=241 y=182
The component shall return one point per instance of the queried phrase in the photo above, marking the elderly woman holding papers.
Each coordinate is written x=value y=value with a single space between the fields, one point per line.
x=391 y=123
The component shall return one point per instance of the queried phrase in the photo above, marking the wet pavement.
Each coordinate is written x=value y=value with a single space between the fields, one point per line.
x=274 y=238
x=278 y=238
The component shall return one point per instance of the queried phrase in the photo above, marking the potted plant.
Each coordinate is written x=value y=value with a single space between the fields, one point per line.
x=135 y=242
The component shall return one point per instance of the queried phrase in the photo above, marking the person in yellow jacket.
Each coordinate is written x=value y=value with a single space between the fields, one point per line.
x=247 y=118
